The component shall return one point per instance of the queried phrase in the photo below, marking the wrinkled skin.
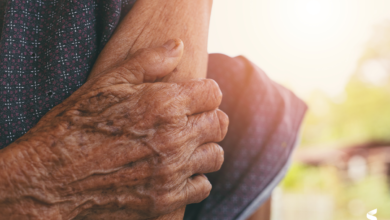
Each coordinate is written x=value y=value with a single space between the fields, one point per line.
x=118 y=148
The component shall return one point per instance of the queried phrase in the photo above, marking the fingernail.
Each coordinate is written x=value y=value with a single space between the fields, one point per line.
x=170 y=45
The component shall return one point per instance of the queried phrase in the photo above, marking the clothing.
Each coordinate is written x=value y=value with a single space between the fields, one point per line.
x=47 y=49
x=264 y=121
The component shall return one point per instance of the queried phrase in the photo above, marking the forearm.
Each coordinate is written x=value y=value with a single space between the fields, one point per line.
x=22 y=192
x=150 y=23
x=94 y=155
x=153 y=22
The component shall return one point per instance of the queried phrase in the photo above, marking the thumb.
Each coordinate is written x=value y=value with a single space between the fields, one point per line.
x=149 y=64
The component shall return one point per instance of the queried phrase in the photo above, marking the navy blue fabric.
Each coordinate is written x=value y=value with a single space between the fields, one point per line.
x=47 y=50
x=265 y=119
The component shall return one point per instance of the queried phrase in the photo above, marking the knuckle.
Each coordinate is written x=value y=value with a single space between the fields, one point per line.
x=130 y=71
x=214 y=89
x=120 y=71
x=168 y=90
x=161 y=90
x=204 y=190
x=212 y=83
x=164 y=175
x=167 y=99
x=117 y=76
x=215 y=157
x=207 y=190
x=220 y=156
x=167 y=171
x=223 y=124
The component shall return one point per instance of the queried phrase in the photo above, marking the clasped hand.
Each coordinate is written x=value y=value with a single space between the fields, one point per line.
x=121 y=145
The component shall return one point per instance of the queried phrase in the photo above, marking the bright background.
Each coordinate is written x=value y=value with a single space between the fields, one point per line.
x=304 y=44
x=334 y=54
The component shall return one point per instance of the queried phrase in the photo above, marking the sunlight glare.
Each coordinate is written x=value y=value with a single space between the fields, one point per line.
x=312 y=20
x=303 y=44
x=313 y=8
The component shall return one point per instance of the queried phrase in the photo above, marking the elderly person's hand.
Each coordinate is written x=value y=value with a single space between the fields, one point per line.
x=118 y=147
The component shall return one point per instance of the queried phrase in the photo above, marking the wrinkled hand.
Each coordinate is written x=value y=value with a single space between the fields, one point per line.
x=119 y=147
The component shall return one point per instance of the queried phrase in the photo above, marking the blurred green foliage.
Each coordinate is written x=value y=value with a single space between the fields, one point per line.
x=352 y=200
x=362 y=112
x=303 y=178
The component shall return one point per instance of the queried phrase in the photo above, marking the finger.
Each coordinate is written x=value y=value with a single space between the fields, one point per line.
x=206 y=158
x=197 y=189
x=149 y=64
x=200 y=96
x=208 y=127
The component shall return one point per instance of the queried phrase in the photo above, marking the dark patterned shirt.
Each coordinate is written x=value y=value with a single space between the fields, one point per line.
x=47 y=49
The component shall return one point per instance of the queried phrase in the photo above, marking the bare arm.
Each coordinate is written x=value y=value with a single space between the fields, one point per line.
x=151 y=23
x=29 y=189
x=118 y=148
